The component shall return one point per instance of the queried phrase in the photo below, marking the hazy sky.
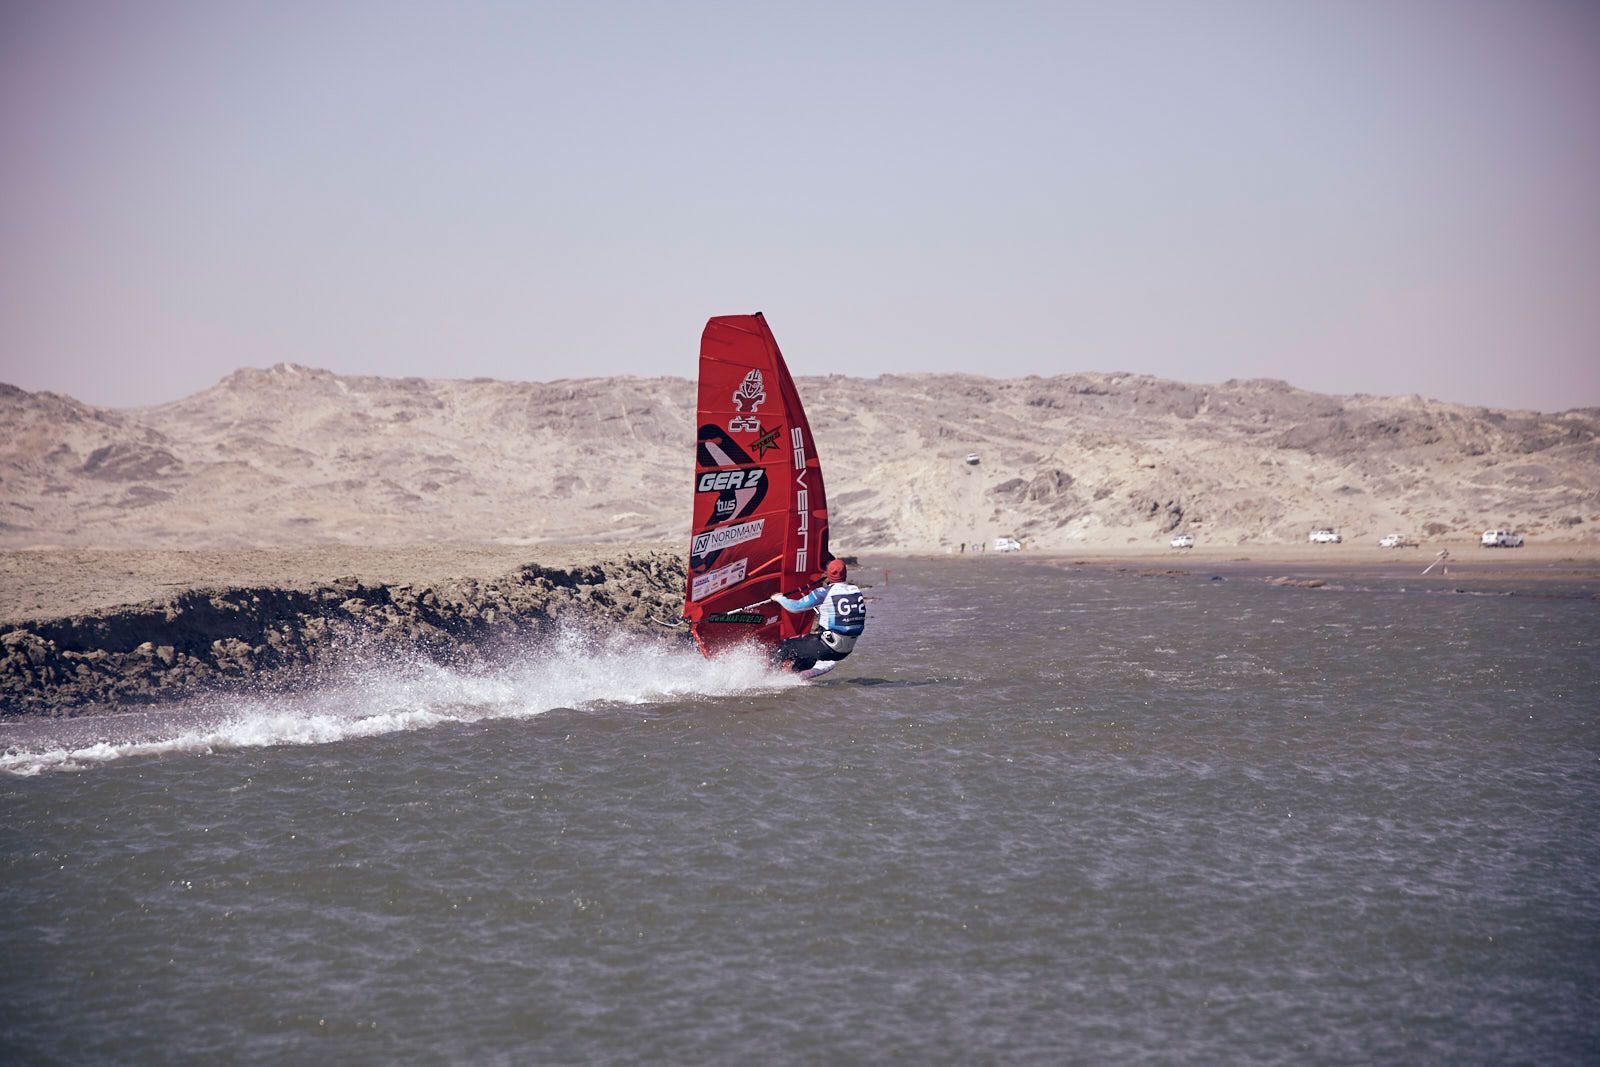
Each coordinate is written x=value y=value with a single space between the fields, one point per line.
x=1382 y=197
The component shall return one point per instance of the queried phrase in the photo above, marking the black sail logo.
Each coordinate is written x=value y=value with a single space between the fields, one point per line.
x=739 y=482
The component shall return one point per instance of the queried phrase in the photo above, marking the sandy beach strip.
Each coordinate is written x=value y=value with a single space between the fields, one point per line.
x=50 y=583
x=1571 y=565
x=1572 y=561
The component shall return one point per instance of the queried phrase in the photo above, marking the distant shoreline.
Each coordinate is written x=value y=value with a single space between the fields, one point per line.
x=46 y=583
x=1575 y=565
x=1462 y=553
x=87 y=630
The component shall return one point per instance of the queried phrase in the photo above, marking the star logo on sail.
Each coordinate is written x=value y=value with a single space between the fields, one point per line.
x=766 y=442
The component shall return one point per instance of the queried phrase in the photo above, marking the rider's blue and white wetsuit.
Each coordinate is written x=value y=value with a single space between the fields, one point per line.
x=841 y=617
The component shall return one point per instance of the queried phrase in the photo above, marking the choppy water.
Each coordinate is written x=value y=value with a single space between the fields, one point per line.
x=1042 y=816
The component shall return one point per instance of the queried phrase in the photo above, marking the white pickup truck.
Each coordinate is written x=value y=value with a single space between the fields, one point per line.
x=1325 y=537
x=1501 y=539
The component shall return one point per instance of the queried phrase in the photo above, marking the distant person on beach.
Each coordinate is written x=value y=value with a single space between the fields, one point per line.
x=841 y=617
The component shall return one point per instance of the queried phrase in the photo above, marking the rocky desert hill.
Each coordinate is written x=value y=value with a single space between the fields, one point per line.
x=292 y=455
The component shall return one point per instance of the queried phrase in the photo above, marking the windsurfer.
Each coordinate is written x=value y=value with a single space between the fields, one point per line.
x=841 y=617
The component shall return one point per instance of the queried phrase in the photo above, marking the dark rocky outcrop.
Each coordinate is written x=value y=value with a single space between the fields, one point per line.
x=201 y=640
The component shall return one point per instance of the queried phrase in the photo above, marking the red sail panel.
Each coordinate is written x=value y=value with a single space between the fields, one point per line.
x=760 y=511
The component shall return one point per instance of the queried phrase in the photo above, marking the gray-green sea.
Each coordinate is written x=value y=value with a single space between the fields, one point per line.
x=1044 y=815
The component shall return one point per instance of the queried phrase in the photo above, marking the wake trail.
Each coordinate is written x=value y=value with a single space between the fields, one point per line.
x=572 y=669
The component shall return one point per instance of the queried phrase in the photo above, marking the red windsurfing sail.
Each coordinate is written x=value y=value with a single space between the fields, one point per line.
x=760 y=512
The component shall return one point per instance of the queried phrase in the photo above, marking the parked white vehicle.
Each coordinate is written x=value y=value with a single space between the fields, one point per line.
x=1325 y=537
x=973 y=459
x=1501 y=539
x=1396 y=541
x=1183 y=541
x=1007 y=544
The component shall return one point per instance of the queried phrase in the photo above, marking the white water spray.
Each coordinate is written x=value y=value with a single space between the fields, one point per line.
x=571 y=670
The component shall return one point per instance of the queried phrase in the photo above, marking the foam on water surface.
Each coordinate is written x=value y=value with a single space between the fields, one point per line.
x=573 y=669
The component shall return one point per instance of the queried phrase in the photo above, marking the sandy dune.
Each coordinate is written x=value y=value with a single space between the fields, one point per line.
x=291 y=456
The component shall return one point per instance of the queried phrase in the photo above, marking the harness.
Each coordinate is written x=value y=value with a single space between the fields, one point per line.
x=840 y=643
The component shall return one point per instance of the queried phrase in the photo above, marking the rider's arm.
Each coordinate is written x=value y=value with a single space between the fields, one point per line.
x=805 y=603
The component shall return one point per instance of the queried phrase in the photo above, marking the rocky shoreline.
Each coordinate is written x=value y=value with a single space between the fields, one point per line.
x=272 y=636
